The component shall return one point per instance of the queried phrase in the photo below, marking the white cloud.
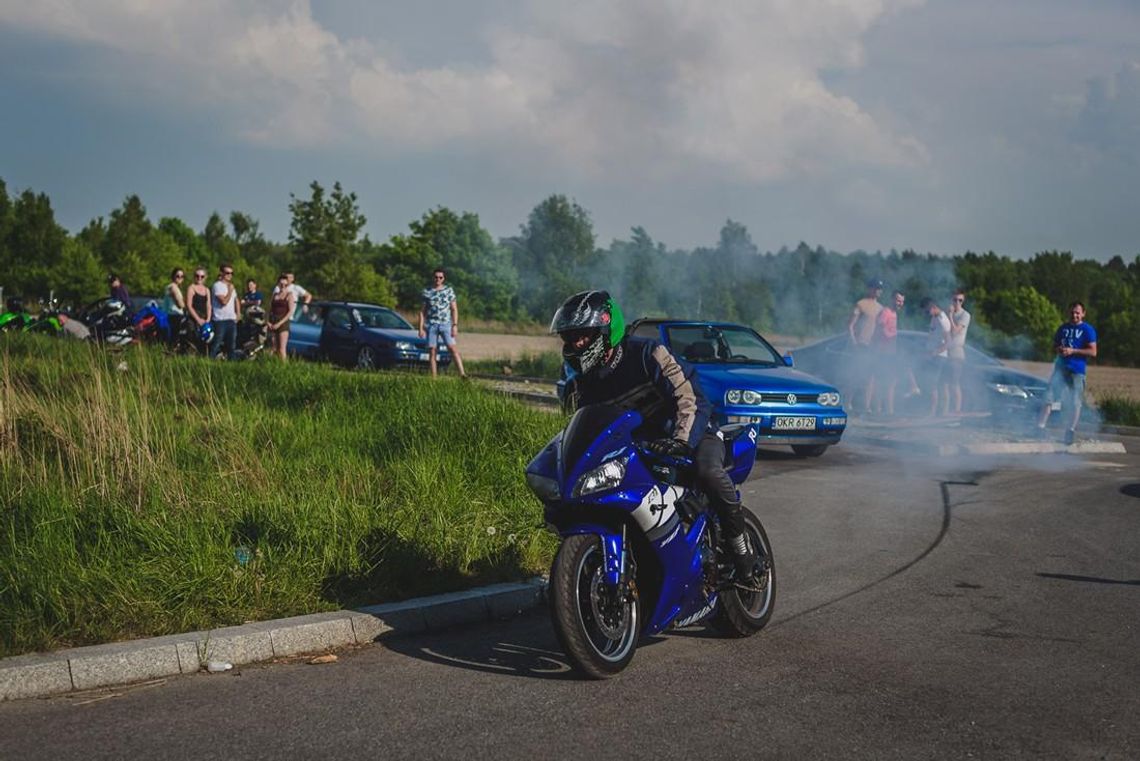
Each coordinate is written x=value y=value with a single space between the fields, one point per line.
x=596 y=87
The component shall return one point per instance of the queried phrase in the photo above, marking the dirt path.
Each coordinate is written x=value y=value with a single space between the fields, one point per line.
x=499 y=346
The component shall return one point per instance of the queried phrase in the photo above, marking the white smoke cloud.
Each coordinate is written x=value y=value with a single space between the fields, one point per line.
x=662 y=88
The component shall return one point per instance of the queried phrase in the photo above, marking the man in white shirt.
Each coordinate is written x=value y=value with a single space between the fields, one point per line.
x=224 y=305
x=937 y=350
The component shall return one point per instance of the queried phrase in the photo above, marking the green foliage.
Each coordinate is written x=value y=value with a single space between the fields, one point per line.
x=478 y=269
x=803 y=291
x=1119 y=410
x=325 y=237
x=1025 y=312
x=128 y=491
x=553 y=256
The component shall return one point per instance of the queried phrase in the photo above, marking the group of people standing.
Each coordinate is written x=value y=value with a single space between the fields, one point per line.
x=873 y=330
x=212 y=312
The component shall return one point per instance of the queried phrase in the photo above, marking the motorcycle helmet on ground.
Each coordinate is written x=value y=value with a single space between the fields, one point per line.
x=206 y=332
x=592 y=315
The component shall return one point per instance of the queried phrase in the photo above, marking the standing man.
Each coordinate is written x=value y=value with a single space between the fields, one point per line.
x=956 y=352
x=861 y=329
x=1074 y=342
x=937 y=349
x=439 y=320
x=888 y=366
x=224 y=303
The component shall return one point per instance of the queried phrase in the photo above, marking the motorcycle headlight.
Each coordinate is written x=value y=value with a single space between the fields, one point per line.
x=544 y=488
x=606 y=476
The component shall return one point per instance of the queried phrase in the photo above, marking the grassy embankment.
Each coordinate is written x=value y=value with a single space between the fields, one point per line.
x=146 y=494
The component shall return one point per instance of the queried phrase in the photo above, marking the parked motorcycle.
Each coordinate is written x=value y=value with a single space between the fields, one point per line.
x=252 y=332
x=15 y=318
x=109 y=321
x=642 y=550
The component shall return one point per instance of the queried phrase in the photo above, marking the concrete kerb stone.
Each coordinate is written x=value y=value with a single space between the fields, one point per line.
x=38 y=675
x=30 y=676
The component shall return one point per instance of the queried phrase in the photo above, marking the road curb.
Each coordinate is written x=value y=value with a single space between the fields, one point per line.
x=117 y=663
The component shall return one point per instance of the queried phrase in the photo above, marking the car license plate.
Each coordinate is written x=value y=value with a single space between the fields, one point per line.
x=787 y=423
x=423 y=356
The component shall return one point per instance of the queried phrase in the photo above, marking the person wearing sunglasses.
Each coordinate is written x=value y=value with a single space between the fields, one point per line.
x=198 y=300
x=439 y=320
x=956 y=351
x=173 y=303
x=224 y=304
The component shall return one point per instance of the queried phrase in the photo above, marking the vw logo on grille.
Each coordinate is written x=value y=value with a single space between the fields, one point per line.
x=791 y=398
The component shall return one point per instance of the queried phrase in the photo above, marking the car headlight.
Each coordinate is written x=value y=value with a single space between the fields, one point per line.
x=745 y=396
x=829 y=399
x=405 y=345
x=605 y=476
x=1008 y=389
x=544 y=488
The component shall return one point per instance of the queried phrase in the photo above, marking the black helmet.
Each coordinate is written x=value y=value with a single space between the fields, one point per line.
x=593 y=313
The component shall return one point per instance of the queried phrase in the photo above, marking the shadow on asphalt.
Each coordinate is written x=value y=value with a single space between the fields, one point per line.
x=1090 y=579
x=527 y=648
x=1130 y=490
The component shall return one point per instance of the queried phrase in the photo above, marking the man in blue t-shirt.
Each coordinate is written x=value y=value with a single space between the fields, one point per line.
x=1074 y=342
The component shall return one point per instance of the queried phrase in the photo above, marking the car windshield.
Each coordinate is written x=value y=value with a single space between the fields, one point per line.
x=376 y=317
x=721 y=344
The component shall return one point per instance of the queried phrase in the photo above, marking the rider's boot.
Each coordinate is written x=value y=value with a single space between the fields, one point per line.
x=744 y=562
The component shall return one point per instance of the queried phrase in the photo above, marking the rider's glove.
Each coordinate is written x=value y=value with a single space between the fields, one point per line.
x=668 y=447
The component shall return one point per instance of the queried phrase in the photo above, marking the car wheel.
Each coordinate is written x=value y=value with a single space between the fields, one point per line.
x=366 y=358
x=809 y=450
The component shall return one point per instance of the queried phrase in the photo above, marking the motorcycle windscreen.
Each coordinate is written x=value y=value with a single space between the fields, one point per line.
x=585 y=427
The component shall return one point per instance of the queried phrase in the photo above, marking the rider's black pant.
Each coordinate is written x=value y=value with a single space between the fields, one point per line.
x=717 y=484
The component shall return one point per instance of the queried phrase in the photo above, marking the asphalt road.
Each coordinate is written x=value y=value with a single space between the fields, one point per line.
x=927 y=608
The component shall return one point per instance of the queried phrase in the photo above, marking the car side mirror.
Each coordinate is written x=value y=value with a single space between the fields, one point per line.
x=788 y=360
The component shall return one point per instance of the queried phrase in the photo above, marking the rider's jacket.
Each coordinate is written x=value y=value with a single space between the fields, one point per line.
x=642 y=374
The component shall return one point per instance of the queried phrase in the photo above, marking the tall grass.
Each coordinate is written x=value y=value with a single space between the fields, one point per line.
x=146 y=494
x=1119 y=409
x=546 y=365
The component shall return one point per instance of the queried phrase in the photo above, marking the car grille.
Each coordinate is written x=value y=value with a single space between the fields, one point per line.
x=769 y=397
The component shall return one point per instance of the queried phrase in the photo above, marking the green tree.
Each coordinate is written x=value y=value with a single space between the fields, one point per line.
x=34 y=245
x=325 y=239
x=553 y=255
x=78 y=278
x=1026 y=313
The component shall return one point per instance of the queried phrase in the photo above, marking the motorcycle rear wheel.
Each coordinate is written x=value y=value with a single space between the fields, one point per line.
x=597 y=626
x=741 y=612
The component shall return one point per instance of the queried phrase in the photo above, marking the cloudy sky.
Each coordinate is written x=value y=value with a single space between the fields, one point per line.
x=940 y=125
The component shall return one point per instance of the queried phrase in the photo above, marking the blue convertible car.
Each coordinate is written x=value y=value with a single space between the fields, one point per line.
x=358 y=335
x=748 y=381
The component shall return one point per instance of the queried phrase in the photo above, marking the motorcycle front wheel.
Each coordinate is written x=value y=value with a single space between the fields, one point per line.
x=596 y=624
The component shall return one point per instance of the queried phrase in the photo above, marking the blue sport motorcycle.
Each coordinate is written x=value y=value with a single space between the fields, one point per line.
x=641 y=548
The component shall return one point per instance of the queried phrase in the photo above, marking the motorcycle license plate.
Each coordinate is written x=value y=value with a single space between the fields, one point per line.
x=789 y=423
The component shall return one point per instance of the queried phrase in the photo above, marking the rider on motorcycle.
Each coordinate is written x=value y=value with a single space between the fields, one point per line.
x=642 y=374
